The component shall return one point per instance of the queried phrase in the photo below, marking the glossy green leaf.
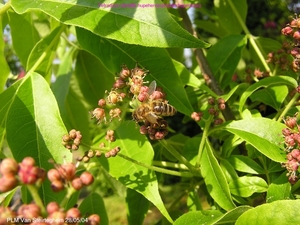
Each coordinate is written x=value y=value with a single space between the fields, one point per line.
x=228 y=170
x=92 y=78
x=91 y=204
x=199 y=217
x=225 y=56
x=137 y=207
x=126 y=22
x=43 y=54
x=187 y=78
x=245 y=164
x=210 y=217
x=215 y=180
x=283 y=212
x=279 y=189
x=272 y=96
x=263 y=134
x=266 y=82
x=246 y=186
x=143 y=180
x=23 y=44
x=33 y=125
x=227 y=14
x=113 y=54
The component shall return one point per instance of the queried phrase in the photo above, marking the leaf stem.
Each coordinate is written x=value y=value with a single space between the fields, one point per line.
x=5 y=7
x=202 y=143
x=170 y=165
x=44 y=54
x=250 y=37
x=180 y=158
x=157 y=169
x=154 y=168
x=36 y=197
x=70 y=192
x=288 y=106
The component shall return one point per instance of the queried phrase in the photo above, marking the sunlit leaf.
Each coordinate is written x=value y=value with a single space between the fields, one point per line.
x=262 y=133
x=130 y=23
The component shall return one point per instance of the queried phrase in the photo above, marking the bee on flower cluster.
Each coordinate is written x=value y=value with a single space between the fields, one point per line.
x=148 y=102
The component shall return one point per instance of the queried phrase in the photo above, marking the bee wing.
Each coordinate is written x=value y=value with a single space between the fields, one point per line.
x=152 y=87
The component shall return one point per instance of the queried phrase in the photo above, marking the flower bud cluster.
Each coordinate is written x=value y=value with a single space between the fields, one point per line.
x=216 y=106
x=293 y=30
x=72 y=140
x=32 y=213
x=25 y=172
x=292 y=142
x=130 y=85
x=65 y=174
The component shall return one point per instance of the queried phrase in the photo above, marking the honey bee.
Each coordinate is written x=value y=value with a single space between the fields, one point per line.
x=152 y=110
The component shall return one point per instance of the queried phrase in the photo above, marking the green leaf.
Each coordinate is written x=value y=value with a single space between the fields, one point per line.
x=139 y=178
x=210 y=217
x=225 y=56
x=211 y=27
x=93 y=204
x=129 y=23
x=215 y=180
x=137 y=207
x=228 y=170
x=263 y=134
x=199 y=217
x=33 y=125
x=227 y=16
x=266 y=82
x=245 y=164
x=283 y=212
x=279 y=189
x=272 y=96
x=113 y=54
x=246 y=186
x=24 y=35
x=92 y=78
x=43 y=54
x=4 y=72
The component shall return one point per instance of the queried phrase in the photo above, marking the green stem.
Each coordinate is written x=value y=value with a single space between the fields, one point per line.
x=202 y=143
x=157 y=169
x=70 y=192
x=180 y=158
x=288 y=106
x=170 y=165
x=44 y=54
x=5 y=7
x=154 y=168
x=36 y=197
x=250 y=37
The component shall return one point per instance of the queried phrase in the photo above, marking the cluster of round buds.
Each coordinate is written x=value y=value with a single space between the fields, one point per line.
x=25 y=172
x=72 y=140
x=216 y=107
x=31 y=214
x=292 y=142
x=156 y=131
x=196 y=116
x=113 y=152
x=88 y=155
x=281 y=57
x=293 y=29
x=110 y=136
x=64 y=175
